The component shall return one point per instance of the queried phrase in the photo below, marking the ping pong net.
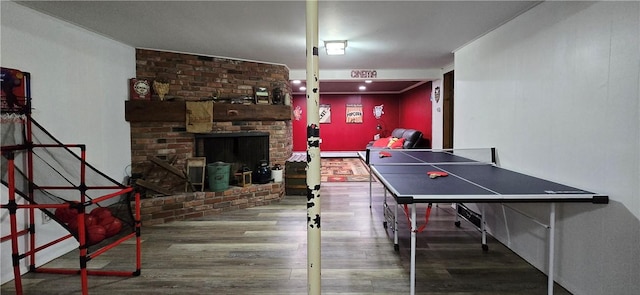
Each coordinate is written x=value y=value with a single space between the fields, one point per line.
x=421 y=157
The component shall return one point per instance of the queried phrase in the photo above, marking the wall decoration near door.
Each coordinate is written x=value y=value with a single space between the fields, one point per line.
x=354 y=113
x=325 y=113
x=378 y=111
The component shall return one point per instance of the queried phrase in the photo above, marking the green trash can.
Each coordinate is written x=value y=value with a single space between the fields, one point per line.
x=218 y=176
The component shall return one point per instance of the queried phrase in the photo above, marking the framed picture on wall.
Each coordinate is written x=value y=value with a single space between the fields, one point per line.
x=354 y=113
x=325 y=113
x=140 y=89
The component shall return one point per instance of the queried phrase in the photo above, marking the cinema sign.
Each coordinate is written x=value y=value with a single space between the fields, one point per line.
x=364 y=74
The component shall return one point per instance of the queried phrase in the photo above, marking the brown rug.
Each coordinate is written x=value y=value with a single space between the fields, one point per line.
x=343 y=170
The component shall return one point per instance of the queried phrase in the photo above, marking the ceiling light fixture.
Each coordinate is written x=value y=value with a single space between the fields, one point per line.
x=296 y=81
x=302 y=88
x=335 y=47
x=362 y=88
x=368 y=81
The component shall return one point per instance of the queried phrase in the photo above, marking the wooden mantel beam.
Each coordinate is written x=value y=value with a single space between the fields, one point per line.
x=175 y=111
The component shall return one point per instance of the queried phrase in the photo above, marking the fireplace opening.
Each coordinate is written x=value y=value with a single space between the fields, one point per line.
x=238 y=149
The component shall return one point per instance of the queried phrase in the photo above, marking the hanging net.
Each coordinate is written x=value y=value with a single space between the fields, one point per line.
x=50 y=172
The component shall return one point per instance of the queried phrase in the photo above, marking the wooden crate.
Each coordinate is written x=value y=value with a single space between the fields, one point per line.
x=295 y=175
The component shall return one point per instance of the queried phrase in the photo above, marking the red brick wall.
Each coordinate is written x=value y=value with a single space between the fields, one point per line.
x=201 y=204
x=193 y=77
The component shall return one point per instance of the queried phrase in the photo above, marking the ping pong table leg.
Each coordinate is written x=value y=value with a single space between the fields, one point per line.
x=552 y=226
x=370 y=188
x=394 y=225
x=385 y=211
x=396 y=245
x=413 y=249
x=483 y=229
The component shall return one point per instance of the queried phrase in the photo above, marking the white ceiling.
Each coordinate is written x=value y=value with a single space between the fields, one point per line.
x=409 y=38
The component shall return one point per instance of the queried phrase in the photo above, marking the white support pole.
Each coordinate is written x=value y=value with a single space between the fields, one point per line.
x=552 y=237
x=313 y=152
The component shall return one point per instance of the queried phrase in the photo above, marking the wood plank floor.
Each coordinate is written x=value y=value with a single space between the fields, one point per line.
x=263 y=251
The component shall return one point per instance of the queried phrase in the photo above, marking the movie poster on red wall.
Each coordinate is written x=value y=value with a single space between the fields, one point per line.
x=354 y=114
x=325 y=113
x=14 y=88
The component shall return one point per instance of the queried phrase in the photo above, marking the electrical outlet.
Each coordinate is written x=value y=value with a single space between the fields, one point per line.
x=45 y=218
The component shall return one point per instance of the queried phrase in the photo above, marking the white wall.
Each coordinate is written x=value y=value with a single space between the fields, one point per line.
x=556 y=91
x=79 y=85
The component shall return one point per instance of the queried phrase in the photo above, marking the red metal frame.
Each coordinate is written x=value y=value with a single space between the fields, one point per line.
x=84 y=257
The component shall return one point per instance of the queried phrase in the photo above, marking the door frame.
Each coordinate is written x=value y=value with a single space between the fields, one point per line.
x=447 y=110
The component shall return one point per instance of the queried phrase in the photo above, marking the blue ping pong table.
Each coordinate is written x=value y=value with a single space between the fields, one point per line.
x=473 y=177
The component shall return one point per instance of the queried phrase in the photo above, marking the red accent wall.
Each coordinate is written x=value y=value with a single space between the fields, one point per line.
x=415 y=109
x=411 y=109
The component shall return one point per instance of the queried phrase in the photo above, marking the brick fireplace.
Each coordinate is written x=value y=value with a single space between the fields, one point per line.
x=169 y=141
x=158 y=129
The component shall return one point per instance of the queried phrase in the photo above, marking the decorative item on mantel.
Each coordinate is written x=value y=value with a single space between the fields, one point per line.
x=242 y=100
x=161 y=88
x=199 y=116
x=278 y=96
x=262 y=95
x=213 y=97
x=139 y=89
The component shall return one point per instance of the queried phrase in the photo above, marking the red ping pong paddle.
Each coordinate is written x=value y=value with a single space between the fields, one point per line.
x=385 y=154
x=434 y=174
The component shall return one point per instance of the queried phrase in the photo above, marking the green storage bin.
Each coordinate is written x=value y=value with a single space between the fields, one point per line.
x=218 y=176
